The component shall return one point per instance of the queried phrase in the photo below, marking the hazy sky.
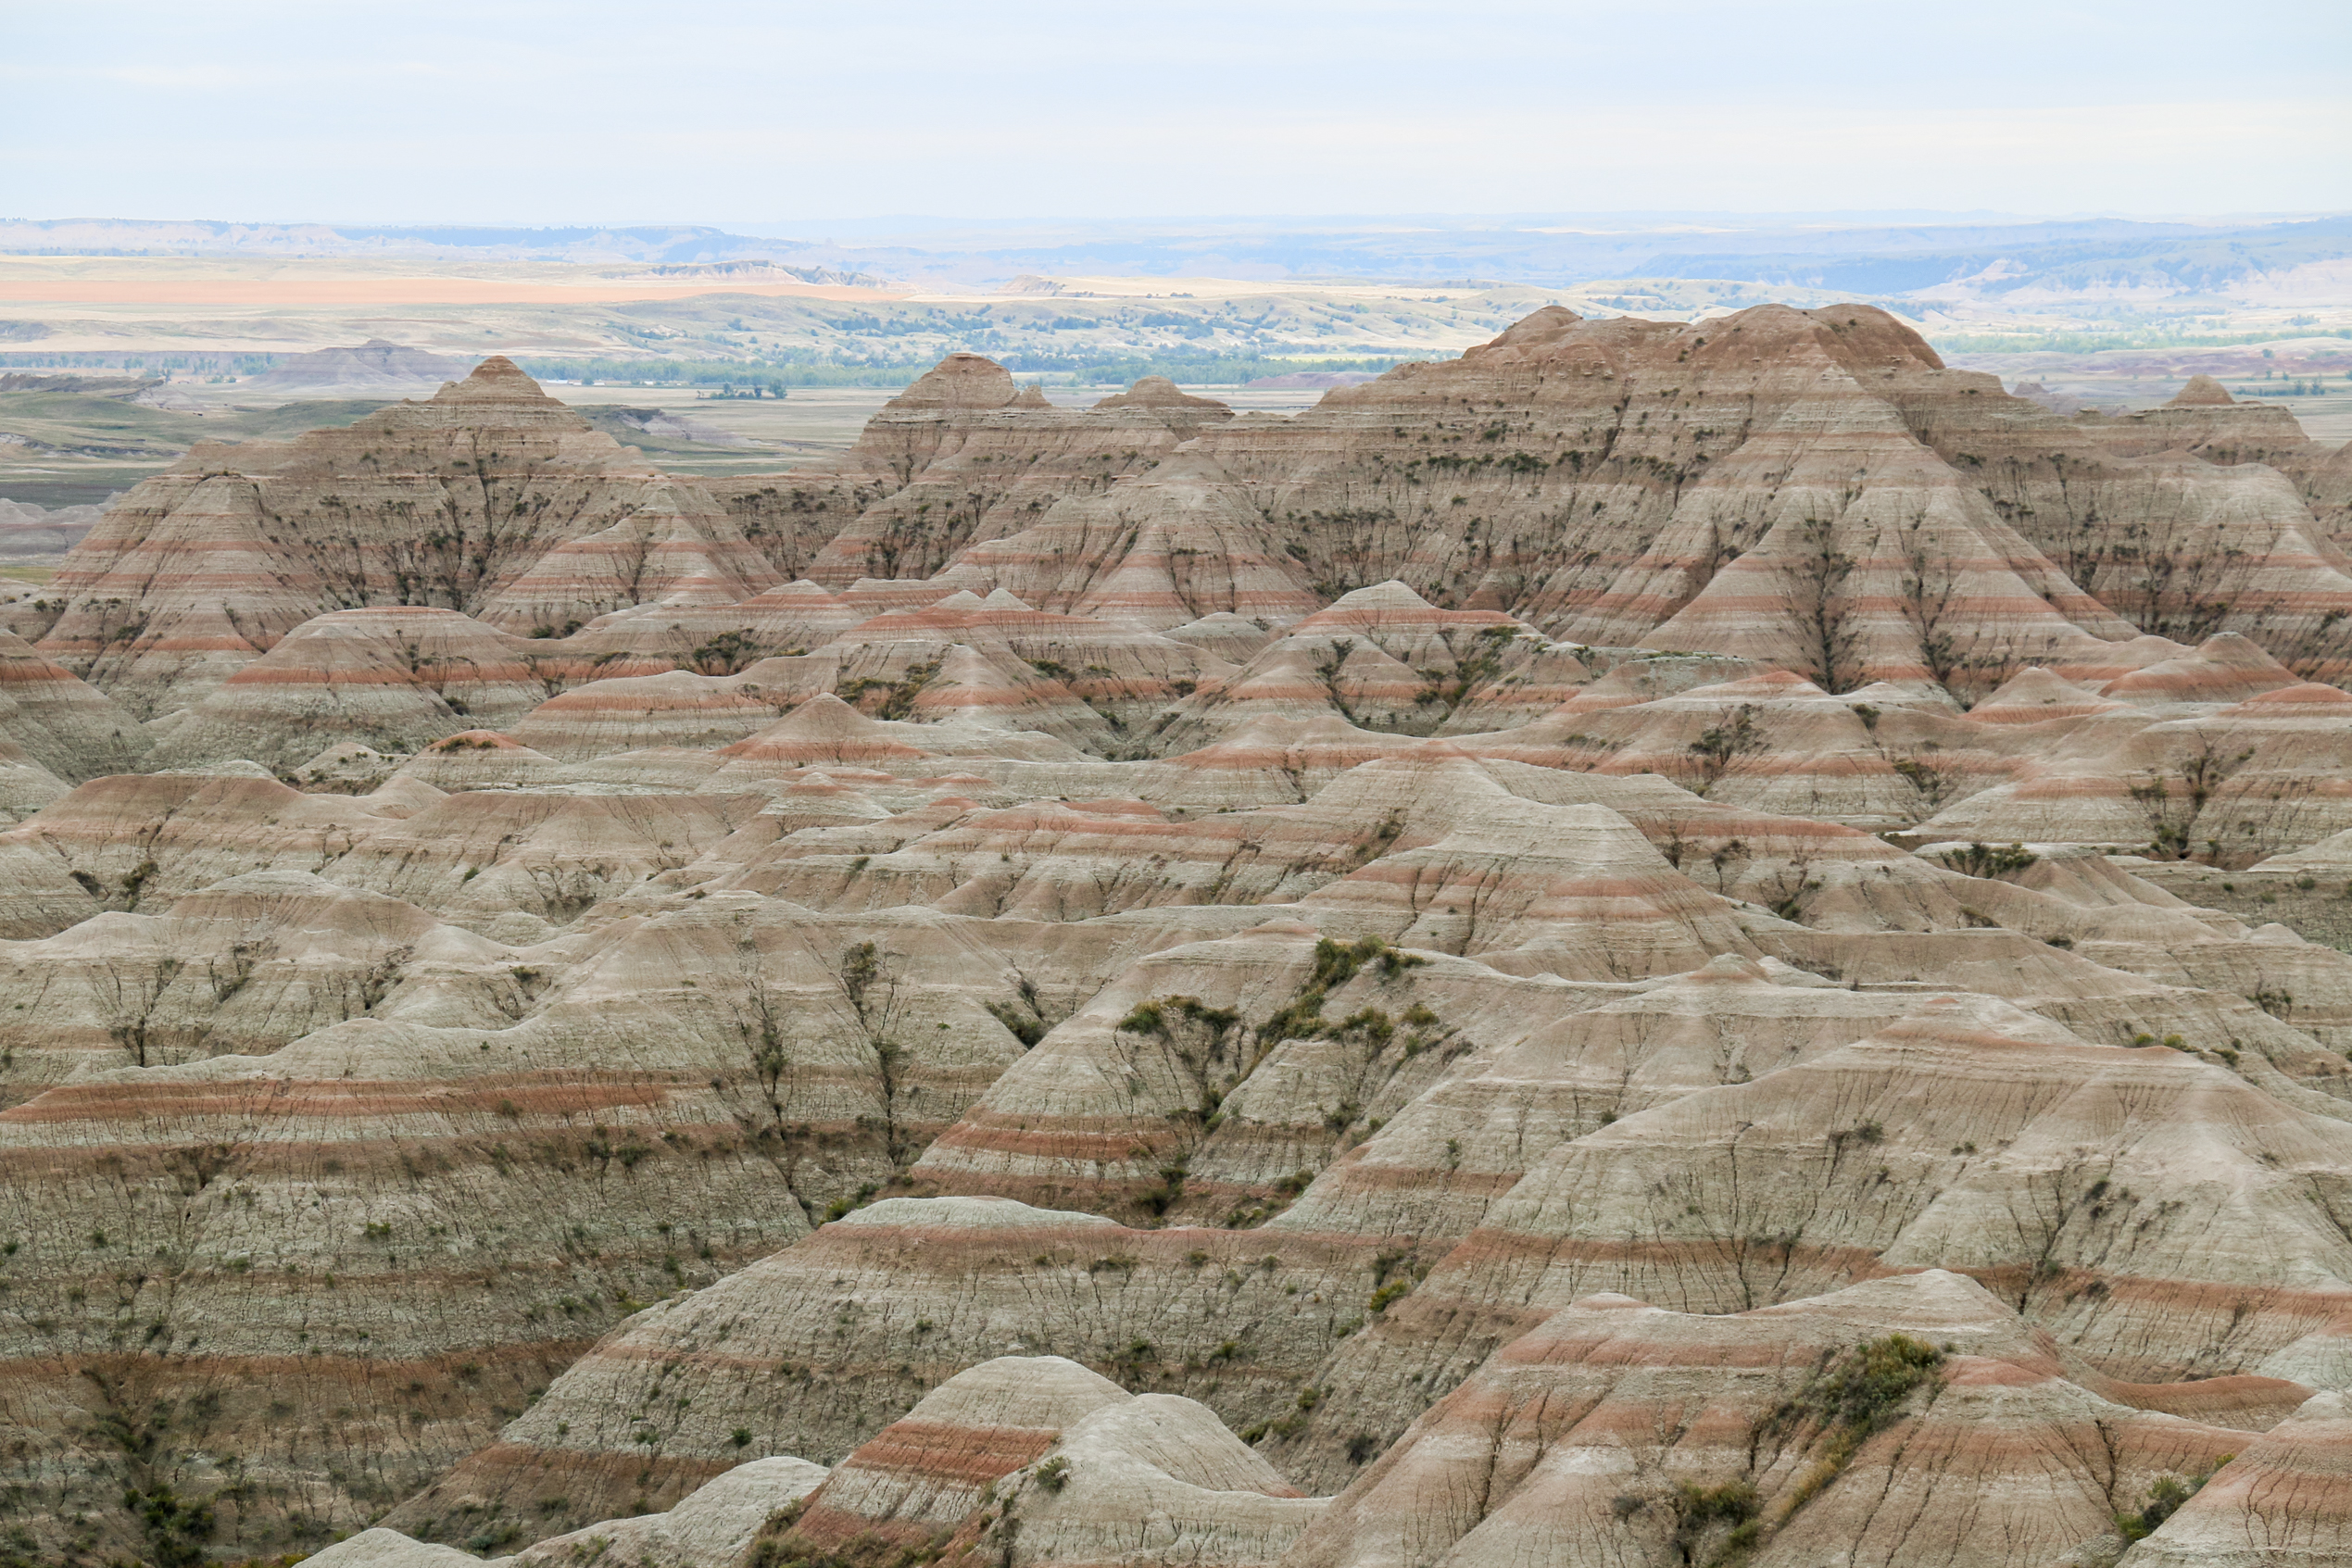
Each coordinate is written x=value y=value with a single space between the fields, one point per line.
x=725 y=112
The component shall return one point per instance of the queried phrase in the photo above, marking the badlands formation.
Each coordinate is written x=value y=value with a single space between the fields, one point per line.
x=1663 y=944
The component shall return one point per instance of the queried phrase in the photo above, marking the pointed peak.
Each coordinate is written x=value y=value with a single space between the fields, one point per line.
x=2202 y=392
x=2239 y=652
x=2038 y=691
x=497 y=377
x=799 y=591
x=824 y=714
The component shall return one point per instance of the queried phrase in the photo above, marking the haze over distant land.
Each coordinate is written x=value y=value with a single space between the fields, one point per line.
x=1856 y=252
x=2073 y=307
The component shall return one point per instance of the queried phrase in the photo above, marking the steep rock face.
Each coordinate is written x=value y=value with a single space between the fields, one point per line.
x=1164 y=549
x=1891 y=519
x=2326 y=482
x=959 y=458
x=1603 y=427
x=851 y=1346
x=1435 y=1169
x=2233 y=782
x=390 y=679
x=240 y=968
x=433 y=1207
x=1214 y=1080
x=1938 y=529
x=2045 y=1201
x=491 y=499
x=2282 y=1501
x=70 y=730
x=1856 y=556
x=377 y=1255
x=1621 y=1432
x=2185 y=520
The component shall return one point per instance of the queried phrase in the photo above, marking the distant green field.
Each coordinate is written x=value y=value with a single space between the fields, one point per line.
x=89 y=426
x=2070 y=341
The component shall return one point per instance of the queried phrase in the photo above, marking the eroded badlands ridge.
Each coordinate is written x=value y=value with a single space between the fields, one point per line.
x=1662 y=944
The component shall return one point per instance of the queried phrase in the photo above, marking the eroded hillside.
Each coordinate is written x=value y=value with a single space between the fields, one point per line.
x=1663 y=943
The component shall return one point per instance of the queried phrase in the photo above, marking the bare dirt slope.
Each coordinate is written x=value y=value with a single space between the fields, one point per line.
x=1670 y=943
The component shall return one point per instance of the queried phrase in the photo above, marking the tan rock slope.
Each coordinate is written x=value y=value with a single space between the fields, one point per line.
x=1913 y=1420
x=2283 y=1500
x=490 y=498
x=1666 y=943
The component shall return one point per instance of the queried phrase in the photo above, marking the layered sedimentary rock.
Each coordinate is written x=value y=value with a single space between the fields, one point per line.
x=393 y=680
x=714 y=1525
x=66 y=727
x=961 y=457
x=1043 y=1464
x=874 y=1313
x=2282 y=1501
x=1911 y=1420
x=490 y=498
x=1499 y=948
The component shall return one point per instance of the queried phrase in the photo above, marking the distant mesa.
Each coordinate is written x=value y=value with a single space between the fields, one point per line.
x=28 y=532
x=375 y=369
x=961 y=380
x=1157 y=391
x=1162 y=397
x=169 y=398
x=761 y=272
